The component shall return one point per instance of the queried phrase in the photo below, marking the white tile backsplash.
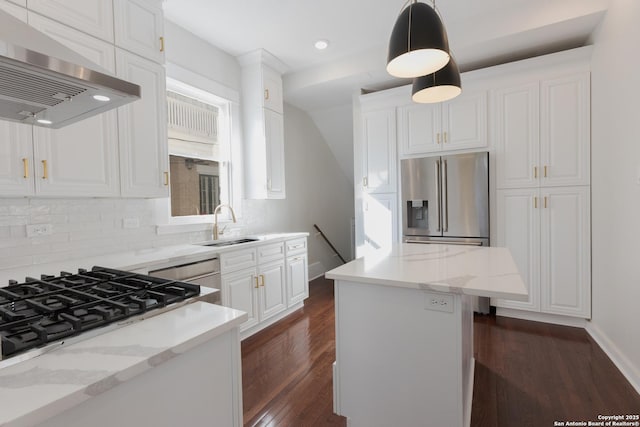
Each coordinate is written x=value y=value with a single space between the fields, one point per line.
x=80 y=228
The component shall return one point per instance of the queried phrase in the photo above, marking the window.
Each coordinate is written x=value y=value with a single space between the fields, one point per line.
x=198 y=150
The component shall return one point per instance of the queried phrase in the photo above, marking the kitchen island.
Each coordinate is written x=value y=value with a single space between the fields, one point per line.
x=404 y=331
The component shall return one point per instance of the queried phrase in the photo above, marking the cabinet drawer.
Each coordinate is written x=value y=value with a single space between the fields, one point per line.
x=271 y=252
x=296 y=245
x=232 y=261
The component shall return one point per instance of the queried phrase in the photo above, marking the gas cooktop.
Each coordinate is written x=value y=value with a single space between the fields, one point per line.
x=39 y=312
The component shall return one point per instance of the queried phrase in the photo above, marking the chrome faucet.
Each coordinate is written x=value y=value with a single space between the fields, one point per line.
x=215 y=219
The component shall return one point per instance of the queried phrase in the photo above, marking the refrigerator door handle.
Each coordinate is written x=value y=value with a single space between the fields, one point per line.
x=445 y=198
x=438 y=196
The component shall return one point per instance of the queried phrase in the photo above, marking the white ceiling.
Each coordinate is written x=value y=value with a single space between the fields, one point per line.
x=481 y=33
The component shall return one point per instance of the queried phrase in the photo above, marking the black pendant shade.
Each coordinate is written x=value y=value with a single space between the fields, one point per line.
x=440 y=86
x=418 y=44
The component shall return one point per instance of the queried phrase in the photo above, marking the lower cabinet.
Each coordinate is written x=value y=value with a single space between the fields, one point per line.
x=548 y=233
x=239 y=291
x=378 y=219
x=272 y=294
x=267 y=281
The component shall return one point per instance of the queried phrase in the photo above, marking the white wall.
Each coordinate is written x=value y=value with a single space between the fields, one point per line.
x=317 y=191
x=615 y=187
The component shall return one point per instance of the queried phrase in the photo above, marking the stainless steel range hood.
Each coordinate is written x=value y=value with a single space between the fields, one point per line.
x=44 y=83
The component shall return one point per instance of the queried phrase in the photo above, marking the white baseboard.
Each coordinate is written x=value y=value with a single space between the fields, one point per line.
x=317 y=269
x=542 y=317
x=631 y=372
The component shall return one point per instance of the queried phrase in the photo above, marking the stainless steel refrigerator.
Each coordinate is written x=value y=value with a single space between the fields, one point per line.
x=445 y=199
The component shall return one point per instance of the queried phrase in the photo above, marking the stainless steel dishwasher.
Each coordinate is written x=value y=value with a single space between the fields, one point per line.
x=204 y=273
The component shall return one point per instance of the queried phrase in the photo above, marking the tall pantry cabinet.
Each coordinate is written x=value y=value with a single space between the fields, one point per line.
x=542 y=136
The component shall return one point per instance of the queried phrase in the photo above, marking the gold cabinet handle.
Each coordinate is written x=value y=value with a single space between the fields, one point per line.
x=266 y=94
x=438 y=138
x=257 y=285
x=161 y=44
x=365 y=182
x=445 y=138
x=166 y=178
x=535 y=171
x=25 y=167
x=262 y=280
x=545 y=202
x=45 y=170
x=545 y=171
x=535 y=203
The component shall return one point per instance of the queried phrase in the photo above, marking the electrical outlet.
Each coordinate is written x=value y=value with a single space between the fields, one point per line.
x=131 y=222
x=439 y=302
x=38 y=230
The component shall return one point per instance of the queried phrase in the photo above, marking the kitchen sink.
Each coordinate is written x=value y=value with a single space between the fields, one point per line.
x=231 y=242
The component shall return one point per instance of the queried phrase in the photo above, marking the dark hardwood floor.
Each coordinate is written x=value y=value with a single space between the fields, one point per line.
x=526 y=374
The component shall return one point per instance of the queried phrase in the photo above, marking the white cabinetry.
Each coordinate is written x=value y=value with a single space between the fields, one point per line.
x=253 y=280
x=144 y=169
x=22 y=3
x=94 y=17
x=264 y=125
x=376 y=173
x=379 y=164
x=380 y=219
x=457 y=124
x=267 y=281
x=16 y=159
x=542 y=133
x=139 y=28
x=297 y=271
x=566 y=251
x=542 y=178
x=77 y=160
x=548 y=233
x=81 y=158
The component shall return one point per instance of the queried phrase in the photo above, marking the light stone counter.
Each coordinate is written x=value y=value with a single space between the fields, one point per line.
x=469 y=270
x=140 y=260
x=40 y=388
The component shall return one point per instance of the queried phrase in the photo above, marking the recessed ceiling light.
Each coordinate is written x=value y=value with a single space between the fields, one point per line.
x=44 y=121
x=101 y=98
x=321 y=44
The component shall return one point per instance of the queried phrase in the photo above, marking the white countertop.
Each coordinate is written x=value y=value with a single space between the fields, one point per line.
x=39 y=388
x=36 y=389
x=146 y=259
x=471 y=270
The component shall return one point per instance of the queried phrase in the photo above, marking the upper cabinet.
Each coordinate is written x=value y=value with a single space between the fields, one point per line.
x=16 y=159
x=94 y=140
x=263 y=118
x=94 y=17
x=542 y=132
x=458 y=124
x=144 y=159
x=139 y=28
x=565 y=129
x=378 y=151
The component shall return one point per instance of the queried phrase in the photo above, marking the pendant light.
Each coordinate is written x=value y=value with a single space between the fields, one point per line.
x=440 y=86
x=418 y=43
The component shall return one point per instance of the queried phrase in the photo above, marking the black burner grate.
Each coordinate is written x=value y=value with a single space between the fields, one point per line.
x=38 y=312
